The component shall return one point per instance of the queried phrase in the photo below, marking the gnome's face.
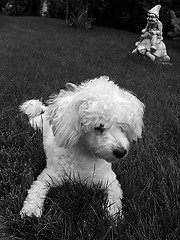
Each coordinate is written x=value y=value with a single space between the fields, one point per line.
x=152 y=18
x=153 y=14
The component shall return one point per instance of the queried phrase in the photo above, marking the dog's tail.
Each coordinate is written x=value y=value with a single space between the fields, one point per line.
x=34 y=109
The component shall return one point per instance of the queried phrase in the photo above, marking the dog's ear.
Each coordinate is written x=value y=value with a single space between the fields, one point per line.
x=136 y=118
x=131 y=111
x=63 y=115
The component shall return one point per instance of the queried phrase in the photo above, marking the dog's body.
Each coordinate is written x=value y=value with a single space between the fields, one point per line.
x=85 y=129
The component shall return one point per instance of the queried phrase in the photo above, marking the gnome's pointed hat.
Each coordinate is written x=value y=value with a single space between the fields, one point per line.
x=155 y=10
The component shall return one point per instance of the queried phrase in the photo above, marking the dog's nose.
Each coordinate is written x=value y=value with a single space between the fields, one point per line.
x=119 y=153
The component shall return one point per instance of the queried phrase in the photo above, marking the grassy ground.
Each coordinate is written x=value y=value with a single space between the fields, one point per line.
x=37 y=57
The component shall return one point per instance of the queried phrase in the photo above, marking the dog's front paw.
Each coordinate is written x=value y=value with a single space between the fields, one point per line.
x=115 y=210
x=29 y=211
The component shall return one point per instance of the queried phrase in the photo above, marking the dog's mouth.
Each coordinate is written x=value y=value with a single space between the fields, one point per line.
x=111 y=154
x=113 y=159
x=115 y=156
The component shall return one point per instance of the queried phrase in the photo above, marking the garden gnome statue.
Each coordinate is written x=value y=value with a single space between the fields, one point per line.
x=151 y=44
x=153 y=29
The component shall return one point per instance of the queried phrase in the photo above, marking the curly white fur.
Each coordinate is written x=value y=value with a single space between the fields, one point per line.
x=85 y=129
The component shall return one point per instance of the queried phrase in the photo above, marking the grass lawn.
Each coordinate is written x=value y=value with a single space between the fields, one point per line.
x=37 y=57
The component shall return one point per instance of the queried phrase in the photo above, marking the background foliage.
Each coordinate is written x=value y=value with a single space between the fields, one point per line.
x=21 y=7
x=124 y=14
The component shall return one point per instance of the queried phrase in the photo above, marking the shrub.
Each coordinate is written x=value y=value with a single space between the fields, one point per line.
x=124 y=14
x=21 y=7
x=56 y=8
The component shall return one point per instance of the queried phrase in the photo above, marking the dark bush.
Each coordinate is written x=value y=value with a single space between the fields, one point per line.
x=56 y=8
x=124 y=14
x=22 y=7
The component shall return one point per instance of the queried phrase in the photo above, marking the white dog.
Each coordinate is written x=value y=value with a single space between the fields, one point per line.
x=85 y=129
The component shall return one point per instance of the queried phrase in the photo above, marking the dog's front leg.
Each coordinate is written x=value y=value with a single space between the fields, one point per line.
x=33 y=205
x=115 y=196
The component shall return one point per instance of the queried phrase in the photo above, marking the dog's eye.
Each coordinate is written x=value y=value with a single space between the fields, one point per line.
x=99 y=129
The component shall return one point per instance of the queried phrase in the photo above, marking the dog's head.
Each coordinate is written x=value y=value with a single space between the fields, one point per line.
x=99 y=113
